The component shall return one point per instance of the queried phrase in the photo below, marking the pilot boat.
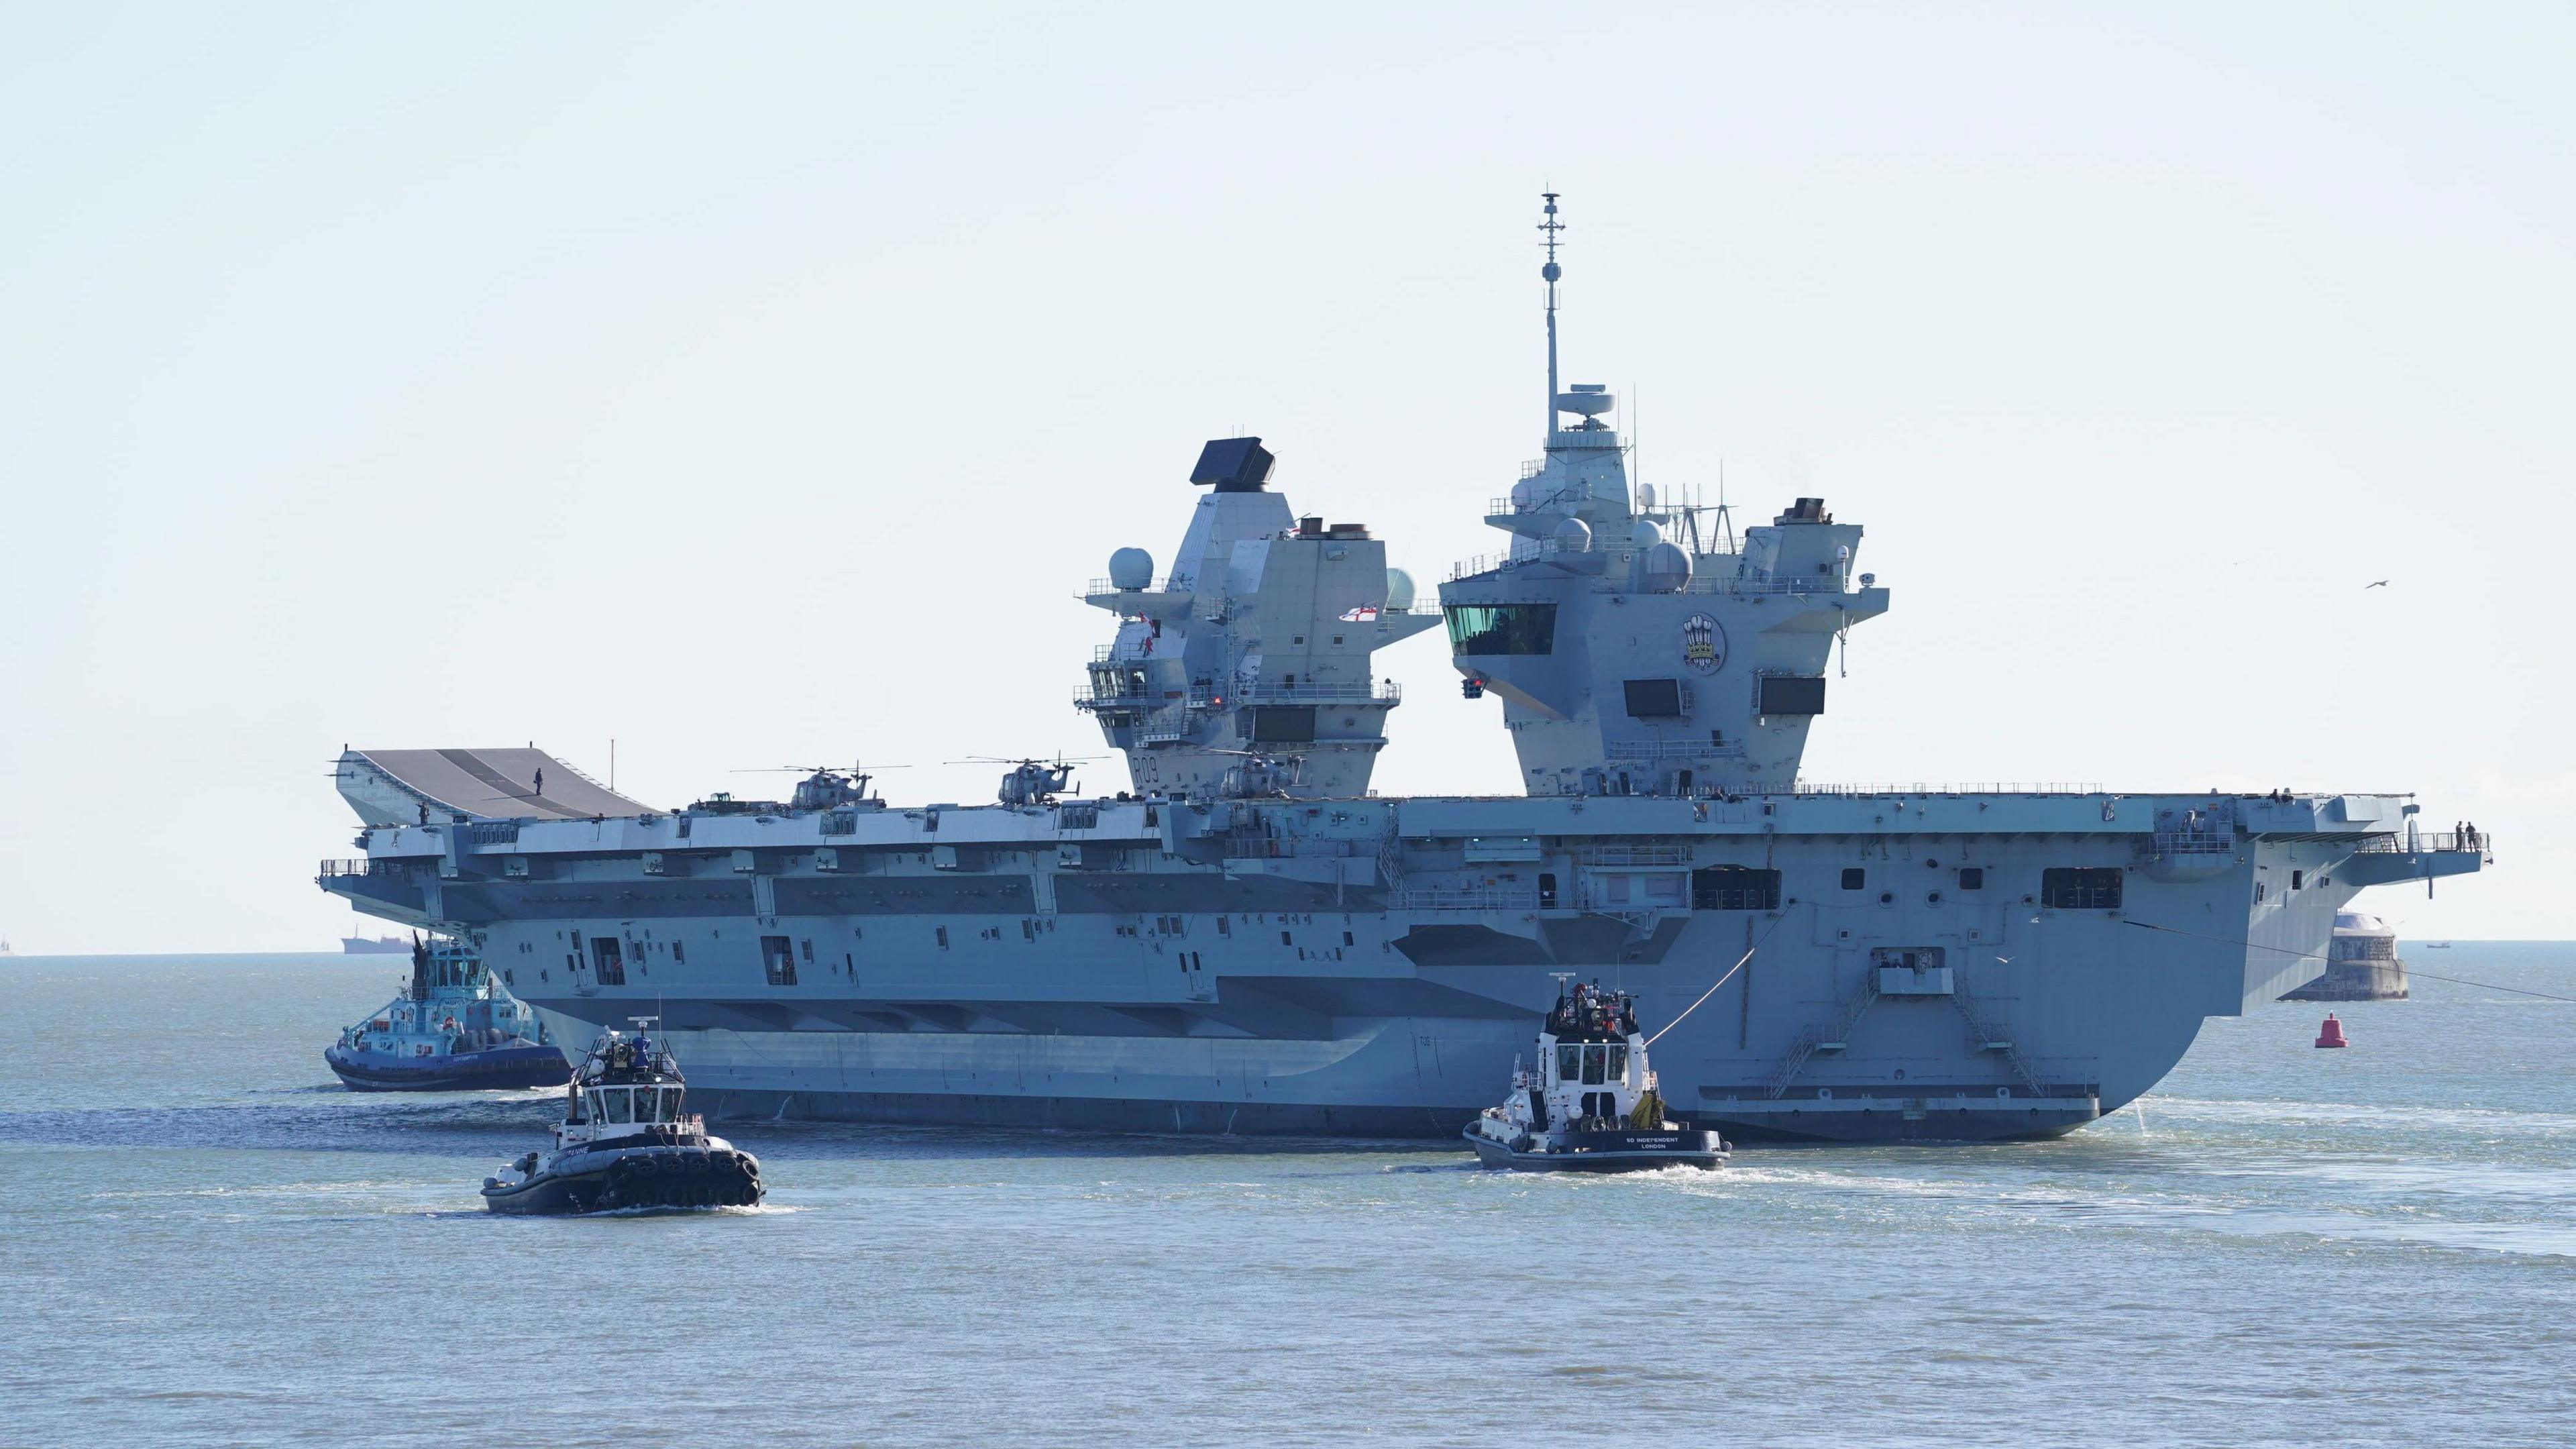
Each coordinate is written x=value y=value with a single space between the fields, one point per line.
x=625 y=1143
x=1592 y=1104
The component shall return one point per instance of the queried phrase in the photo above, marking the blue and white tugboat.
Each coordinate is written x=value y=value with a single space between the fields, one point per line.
x=1593 y=1104
x=453 y=1029
x=625 y=1143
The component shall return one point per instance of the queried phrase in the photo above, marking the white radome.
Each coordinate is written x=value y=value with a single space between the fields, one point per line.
x=1130 y=568
x=1666 y=569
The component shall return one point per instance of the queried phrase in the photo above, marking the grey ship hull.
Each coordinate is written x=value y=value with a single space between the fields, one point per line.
x=1371 y=967
x=1217 y=957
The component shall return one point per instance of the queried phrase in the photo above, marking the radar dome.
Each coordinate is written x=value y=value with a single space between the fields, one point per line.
x=1666 y=569
x=1524 y=494
x=1130 y=568
x=1399 y=590
x=1573 y=535
x=1645 y=533
x=1645 y=495
x=1587 y=398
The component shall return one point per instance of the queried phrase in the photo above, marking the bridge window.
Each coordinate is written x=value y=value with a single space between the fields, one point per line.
x=779 y=960
x=1784 y=694
x=619 y=1109
x=2080 y=888
x=1569 y=1063
x=1619 y=1061
x=1280 y=724
x=1592 y=1056
x=1654 y=698
x=1501 y=628
x=1734 y=888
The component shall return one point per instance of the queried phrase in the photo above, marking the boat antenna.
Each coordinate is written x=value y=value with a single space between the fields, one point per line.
x=1551 y=273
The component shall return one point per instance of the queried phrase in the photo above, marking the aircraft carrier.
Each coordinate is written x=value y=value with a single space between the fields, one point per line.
x=1249 y=941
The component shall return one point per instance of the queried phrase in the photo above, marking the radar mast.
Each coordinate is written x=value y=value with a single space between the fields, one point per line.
x=1550 y=274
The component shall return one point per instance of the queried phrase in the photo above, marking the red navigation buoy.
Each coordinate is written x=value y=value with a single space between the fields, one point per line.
x=2331 y=1034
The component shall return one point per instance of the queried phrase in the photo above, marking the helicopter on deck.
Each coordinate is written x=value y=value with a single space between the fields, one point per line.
x=1260 y=774
x=1031 y=781
x=825 y=787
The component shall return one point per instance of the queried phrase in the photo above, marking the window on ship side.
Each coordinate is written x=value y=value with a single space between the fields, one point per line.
x=1855 y=878
x=2080 y=888
x=1972 y=877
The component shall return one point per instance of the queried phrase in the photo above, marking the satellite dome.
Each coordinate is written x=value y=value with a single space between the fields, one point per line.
x=1573 y=535
x=1524 y=494
x=1666 y=569
x=1645 y=495
x=1130 y=568
x=1645 y=533
x=1399 y=590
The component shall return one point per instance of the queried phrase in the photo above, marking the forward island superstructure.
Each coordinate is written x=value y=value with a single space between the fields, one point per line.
x=1248 y=940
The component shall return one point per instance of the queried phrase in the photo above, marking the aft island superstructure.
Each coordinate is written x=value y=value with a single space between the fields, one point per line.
x=1248 y=940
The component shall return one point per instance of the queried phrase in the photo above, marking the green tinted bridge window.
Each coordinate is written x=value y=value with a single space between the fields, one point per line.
x=1501 y=628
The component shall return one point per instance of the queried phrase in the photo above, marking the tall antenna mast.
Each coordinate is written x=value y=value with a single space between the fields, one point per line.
x=1551 y=272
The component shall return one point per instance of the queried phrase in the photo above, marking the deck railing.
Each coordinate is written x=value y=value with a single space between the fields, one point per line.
x=331 y=869
x=1474 y=898
x=2430 y=842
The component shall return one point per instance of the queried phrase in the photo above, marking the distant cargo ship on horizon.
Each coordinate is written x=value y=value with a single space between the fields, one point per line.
x=367 y=945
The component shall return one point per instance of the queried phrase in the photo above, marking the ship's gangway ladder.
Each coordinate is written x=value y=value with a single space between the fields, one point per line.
x=1986 y=1037
x=1831 y=1039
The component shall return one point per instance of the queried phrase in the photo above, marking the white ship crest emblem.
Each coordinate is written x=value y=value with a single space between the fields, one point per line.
x=1703 y=644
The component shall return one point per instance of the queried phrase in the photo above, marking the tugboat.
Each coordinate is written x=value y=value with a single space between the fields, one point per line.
x=453 y=1029
x=624 y=1142
x=1592 y=1105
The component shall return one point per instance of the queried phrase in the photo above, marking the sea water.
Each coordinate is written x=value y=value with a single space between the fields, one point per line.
x=205 y=1240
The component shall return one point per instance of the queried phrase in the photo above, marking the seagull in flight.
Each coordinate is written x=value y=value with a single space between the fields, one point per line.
x=2366 y=588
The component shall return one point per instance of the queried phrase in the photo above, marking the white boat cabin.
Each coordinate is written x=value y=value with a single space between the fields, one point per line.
x=1591 y=1075
x=627 y=1085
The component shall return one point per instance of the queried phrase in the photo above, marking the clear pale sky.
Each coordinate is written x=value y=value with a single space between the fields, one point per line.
x=757 y=385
